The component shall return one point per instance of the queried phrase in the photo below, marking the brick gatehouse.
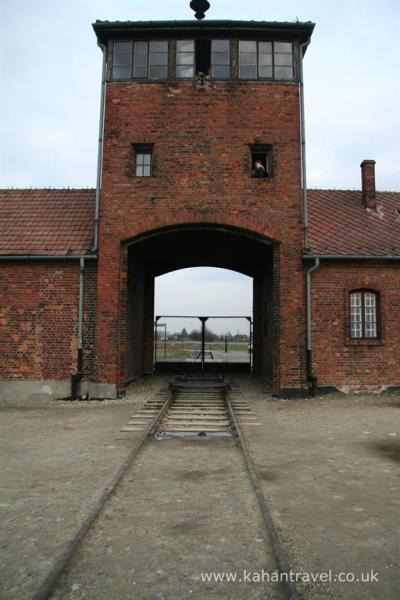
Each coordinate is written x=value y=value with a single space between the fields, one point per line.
x=201 y=162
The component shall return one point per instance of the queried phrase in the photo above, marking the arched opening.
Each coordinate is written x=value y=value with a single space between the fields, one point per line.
x=203 y=319
x=207 y=245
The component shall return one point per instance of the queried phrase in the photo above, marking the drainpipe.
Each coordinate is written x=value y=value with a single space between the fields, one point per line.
x=77 y=377
x=312 y=380
x=303 y=48
x=100 y=148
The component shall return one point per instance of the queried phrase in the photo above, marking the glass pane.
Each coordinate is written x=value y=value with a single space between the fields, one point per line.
x=220 y=45
x=265 y=71
x=248 y=58
x=284 y=60
x=221 y=72
x=265 y=59
x=248 y=72
x=140 y=60
x=121 y=72
x=159 y=72
x=370 y=299
x=265 y=47
x=140 y=47
x=185 y=58
x=184 y=71
x=185 y=45
x=220 y=58
x=139 y=158
x=284 y=47
x=140 y=71
x=146 y=158
x=158 y=59
x=247 y=46
x=139 y=170
x=159 y=47
x=122 y=47
x=355 y=299
x=146 y=171
x=122 y=60
x=283 y=73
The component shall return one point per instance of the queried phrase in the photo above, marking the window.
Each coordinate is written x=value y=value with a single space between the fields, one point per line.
x=261 y=163
x=143 y=160
x=364 y=314
x=140 y=60
x=220 y=59
x=185 y=58
x=203 y=56
x=259 y=60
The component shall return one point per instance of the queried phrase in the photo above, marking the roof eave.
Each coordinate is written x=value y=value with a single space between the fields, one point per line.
x=106 y=30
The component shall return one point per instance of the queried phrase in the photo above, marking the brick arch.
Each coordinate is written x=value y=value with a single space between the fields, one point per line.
x=156 y=251
x=246 y=225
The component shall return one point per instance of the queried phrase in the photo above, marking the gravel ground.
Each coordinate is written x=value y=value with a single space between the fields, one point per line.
x=329 y=467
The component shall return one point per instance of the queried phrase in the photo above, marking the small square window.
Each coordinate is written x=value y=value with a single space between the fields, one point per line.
x=261 y=161
x=143 y=156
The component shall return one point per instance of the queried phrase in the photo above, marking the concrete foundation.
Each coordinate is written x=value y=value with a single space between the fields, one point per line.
x=17 y=390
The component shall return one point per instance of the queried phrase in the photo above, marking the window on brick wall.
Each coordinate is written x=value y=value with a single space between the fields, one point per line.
x=210 y=57
x=261 y=161
x=364 y=314
x=265 y=60
x=140 y=60
x=143 y=157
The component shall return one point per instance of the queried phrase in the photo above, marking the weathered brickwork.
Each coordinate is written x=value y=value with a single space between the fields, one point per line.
x=349 y=364
x=89 y=324
x=38 y=319
x=203 y=181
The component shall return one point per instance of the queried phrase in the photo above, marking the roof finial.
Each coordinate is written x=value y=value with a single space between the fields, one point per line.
x=200 y=7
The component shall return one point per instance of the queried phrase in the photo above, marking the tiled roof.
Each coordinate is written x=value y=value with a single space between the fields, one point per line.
x=340 y=224
x=61 y=222
x=46 y=222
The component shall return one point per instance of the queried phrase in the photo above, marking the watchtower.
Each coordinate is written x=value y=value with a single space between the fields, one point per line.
x=201 y=164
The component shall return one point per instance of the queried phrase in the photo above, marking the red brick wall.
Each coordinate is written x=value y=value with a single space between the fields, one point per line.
x=202 y=174
x=38 y=319
x=339 y=360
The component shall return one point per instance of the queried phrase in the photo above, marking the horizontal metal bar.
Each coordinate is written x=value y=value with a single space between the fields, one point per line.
x=201 y=317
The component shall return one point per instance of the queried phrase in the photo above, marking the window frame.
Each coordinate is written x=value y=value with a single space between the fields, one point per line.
x=139 y=150
x=265 y=149
x=148 y=64
x=377 y=322
x=195 y=58
x=273 y=65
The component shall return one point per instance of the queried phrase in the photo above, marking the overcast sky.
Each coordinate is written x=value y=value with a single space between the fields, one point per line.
x=50 y=86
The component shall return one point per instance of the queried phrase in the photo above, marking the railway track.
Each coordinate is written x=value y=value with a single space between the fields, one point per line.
x=202 y=406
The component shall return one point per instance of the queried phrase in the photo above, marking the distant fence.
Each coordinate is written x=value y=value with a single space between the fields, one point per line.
x=203 y=342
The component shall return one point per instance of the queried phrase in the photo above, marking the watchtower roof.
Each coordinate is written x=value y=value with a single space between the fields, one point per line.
x=276 y=30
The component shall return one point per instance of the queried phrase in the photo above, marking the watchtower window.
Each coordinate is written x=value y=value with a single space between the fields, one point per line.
x=220 y=59
x=185 y=58
x=203 y=56
x=265 y=60
x=140 y=60
x=261 y=161
x=143 y=155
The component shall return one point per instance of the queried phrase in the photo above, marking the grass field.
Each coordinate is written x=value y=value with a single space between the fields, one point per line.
x=175 y=349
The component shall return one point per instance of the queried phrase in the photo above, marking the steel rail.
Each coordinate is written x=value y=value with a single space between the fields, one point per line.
x=276 y=543
x=63 y=560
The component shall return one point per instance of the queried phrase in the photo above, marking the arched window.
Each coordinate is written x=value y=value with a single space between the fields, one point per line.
x=364 y=317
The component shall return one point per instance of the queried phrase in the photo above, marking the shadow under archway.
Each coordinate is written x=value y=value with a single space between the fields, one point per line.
x=207 y=245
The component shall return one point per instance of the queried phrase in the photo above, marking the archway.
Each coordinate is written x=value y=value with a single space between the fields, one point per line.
x=169 y=249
